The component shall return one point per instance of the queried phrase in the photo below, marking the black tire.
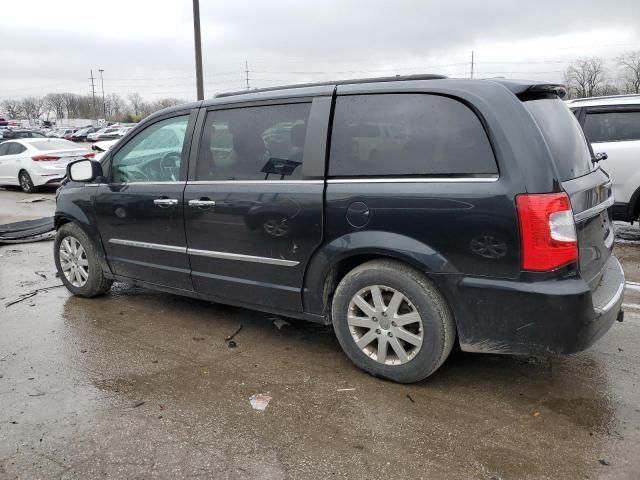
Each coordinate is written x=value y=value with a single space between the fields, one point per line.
x=96 y=283
x=26 y=184
x=438 y=326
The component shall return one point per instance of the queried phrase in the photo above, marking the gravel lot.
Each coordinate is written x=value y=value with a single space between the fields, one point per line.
x=139 y=384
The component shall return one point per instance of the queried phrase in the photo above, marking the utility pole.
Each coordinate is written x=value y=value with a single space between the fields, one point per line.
x=246 y=71
x=198 y=48
x=471 y=63
x=104 y=104
x=93 y=94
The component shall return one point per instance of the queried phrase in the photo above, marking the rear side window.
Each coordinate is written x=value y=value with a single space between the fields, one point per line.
x=407 y=134
x=254 y=143
x=16 y=148
x=563 y=135
x=612 y=126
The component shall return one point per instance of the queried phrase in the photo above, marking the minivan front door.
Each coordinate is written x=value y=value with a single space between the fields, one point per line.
x=140 y=211
x=254 y=204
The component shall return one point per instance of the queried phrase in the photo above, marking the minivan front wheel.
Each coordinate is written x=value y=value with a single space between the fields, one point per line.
x=392 y=322
x=77 y=262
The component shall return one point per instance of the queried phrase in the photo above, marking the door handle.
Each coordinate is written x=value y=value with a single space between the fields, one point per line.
x=165 y=202
x=202 y=203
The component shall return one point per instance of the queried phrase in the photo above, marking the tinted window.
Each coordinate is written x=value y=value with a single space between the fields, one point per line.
x=612 y=126
x=16 y=148
x=153 y=155
x=4 y=148
x=407 y=134
x=254 y=143
x=563 y=135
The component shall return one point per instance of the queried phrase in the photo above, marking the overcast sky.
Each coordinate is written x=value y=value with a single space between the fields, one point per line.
x=146 y=46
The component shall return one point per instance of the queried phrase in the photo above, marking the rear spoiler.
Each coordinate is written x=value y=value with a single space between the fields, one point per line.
x=545 y=89
x=530 y=89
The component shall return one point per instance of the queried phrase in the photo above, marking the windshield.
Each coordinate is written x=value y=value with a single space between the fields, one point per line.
x=563 y=135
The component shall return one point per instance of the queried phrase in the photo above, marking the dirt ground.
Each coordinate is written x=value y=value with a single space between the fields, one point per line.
x=138 y=384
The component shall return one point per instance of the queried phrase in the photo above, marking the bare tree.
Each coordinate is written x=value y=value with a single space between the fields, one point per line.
x=56 y=102
x=585 y=77
x=33 y=107
x=136 y=102
x=71 y=104
x=166 y=102
x=630 y=64
x=115 y=106
x=13 y=109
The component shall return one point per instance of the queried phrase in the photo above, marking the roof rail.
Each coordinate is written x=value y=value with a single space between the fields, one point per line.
x=622 y=95
x=397 y=78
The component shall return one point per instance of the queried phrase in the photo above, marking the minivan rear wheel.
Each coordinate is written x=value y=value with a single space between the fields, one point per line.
x=392 y=322
x=77 y=262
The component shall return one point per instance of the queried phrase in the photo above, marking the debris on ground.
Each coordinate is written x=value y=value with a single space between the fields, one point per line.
x=28 y=231
x=279 y=323
x=198 y=339
x=345 y=390
x=139 y=404
x=32 y=200
x=30 y=294
x=409 y=397
x=232 y=344
x=604 y=462
x=260 y=401
x=236 y=331
x=41 y=274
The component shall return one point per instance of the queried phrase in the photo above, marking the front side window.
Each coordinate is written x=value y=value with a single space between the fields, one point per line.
x=612 y=126
x=254 y=143
x=153 y=155
x=407 y=134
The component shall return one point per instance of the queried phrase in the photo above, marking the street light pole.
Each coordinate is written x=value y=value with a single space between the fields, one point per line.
x=198 y=48
x=104 y=104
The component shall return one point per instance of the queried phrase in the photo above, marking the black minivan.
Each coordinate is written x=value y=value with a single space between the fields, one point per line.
x=406 y=211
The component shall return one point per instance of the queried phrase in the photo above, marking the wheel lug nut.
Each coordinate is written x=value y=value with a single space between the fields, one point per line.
x=390 y=334
x=393 y=324
x=374 y=319
x=378 y=331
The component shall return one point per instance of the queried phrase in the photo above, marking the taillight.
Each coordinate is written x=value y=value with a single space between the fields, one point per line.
x=45 y=158
x=89 y=155
x=548 y=231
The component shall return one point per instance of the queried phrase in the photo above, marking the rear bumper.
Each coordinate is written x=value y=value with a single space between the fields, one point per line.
x=553 y=316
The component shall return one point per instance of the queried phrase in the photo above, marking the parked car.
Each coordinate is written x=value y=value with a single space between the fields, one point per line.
x=33 y=162
x=64 y=132
x=109 y=133
x=18 y=133
x=95 y=136
x=612 y=125
x=81 y=135
x=484 y=219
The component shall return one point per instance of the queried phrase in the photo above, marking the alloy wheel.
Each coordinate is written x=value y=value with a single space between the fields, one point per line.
x=385 y=325
x=73 y=261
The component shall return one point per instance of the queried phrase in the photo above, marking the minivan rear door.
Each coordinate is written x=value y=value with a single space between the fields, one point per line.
x=254 y=200
x=587 y=185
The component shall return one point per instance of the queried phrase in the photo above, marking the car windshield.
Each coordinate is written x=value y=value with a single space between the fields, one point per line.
x=53 y=145
x=564 y=136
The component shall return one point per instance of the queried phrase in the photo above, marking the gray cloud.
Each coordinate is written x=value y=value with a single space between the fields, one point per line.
x=147 y=46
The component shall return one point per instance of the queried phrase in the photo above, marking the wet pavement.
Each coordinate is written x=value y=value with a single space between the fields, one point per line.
x=138 y=384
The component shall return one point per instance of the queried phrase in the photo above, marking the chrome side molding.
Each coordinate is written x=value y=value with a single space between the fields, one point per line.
x=206 y=253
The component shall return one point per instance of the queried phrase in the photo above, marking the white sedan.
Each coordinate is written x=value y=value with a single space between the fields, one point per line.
x=32 y=162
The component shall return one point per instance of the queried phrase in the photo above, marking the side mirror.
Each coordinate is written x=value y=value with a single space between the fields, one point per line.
x=600 y=156
x=84 y=170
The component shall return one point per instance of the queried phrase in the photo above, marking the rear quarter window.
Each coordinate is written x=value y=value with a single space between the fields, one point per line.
x=408 y=135
x=563 y=134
